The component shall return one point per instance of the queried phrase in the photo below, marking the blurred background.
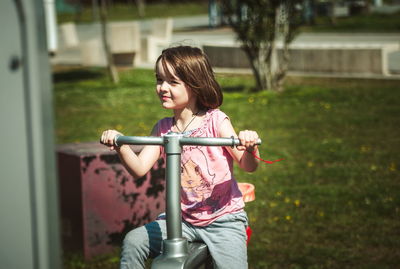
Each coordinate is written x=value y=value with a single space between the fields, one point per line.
x=318 y=80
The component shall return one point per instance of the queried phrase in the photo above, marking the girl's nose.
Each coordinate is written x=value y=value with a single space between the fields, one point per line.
x=164 y=86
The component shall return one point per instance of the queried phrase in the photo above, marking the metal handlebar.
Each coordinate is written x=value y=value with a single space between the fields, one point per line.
x=183 y=140
x=138 y=140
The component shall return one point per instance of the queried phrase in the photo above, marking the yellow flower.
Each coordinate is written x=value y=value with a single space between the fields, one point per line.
x=373 y=167
x=321 y=213
x=392 y=167
x=388 y=199
x=288 y=218
x=287 y=200
x=365 y=149
x=310 y=164
x=251 y=100
x=297 y=203
x=273 y=204
x=327 y=106
x=278 y=193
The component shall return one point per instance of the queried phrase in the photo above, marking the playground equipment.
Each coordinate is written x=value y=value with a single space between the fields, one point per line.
x=177 y=252
x=29 y=226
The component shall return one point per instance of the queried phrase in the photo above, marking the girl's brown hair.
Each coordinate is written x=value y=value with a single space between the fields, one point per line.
x=192 y=66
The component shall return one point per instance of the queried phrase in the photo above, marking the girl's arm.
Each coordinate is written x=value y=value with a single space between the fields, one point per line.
x=242 y=154
x=137 y=165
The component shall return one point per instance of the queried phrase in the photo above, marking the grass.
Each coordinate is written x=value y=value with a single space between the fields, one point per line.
x=121 y=12
x=334 y=200
x=362 y=23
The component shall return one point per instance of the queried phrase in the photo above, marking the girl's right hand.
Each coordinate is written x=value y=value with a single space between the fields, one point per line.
x=107 y=138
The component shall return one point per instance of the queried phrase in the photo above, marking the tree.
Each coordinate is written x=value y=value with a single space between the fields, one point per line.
x=112 y=70
x=258 y=25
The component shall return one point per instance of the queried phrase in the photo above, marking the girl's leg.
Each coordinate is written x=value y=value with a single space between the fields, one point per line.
x=146 y=242
x=142 y=243
x=226 y=241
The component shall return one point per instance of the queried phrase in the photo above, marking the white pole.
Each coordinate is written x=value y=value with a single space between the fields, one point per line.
x=51 y=25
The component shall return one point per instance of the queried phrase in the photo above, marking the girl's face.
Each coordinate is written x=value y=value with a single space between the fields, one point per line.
x=172 y=92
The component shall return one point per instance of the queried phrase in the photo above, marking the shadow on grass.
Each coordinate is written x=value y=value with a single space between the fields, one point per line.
x=238 y=88
x=75 y=75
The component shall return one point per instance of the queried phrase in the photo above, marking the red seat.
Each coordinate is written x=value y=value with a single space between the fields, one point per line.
x=248 y=192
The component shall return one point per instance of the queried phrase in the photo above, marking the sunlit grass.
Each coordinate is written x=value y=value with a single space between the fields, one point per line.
x=123 y=12
x=333 y=202
x=363 y=23
x=371 y=22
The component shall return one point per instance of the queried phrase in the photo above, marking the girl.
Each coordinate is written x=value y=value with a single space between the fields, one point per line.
x=212 y=204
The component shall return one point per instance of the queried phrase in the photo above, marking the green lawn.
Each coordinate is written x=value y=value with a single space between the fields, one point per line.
x=332 y=203
x=387 y=23
x=121 y=12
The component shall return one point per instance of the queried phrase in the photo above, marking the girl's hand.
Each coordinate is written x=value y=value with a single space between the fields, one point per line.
x=107 y=138
x=248 y=140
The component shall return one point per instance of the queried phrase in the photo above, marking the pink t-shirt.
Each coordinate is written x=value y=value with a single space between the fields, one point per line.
x=209 y=189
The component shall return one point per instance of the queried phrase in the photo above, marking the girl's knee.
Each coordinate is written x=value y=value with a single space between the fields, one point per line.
x=135 y=239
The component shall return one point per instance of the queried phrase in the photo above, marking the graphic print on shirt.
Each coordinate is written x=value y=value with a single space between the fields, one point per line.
x=199 y=191
x=196 y=184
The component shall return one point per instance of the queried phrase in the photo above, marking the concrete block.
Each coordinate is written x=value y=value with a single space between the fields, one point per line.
x=92 y=53
x=158 y=39
x=69 y=35
x=100 y=201
x=361 y=59
x=124 y=40
x=226 y=56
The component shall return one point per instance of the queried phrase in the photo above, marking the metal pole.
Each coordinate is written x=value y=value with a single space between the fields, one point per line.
x=173 y=181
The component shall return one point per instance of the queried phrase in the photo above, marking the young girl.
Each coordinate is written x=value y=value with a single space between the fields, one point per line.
x=211 y=202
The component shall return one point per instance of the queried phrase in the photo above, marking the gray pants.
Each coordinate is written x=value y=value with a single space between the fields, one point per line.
x=225 y=237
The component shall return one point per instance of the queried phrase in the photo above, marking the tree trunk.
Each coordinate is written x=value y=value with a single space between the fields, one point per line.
x=95 y=10
x=286 y=35
x=141 y=7
x=285 y=56
x=110 y=62
x=332 y=15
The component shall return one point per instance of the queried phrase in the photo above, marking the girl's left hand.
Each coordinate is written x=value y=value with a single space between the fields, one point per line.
x=248 y=140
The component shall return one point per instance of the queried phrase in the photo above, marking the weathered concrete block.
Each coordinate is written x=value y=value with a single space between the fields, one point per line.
x=69 y=35
x=226 y=56
x=100 y=201
x=124 y=38
x=158 y=39
x=340 y=59
x=362 y=59
x=92 y=53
